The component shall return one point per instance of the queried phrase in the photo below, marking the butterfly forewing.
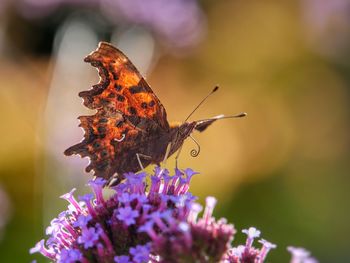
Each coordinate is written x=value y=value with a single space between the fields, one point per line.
x=128 y=112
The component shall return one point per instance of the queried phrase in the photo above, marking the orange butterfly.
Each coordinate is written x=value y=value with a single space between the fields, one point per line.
x=130 y=129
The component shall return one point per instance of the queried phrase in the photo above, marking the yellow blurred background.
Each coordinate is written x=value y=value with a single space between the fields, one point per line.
x=283 y=169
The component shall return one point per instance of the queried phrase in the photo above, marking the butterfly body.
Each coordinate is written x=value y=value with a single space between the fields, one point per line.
x=153 y=150
x=130 y=126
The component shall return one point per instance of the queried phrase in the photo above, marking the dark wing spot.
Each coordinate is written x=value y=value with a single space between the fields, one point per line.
x=96 y=145
x=111 y=95
x=104 y=102
x=151 y=103
x=144 y=105
x=117 y=87
x=136 y=89
x=104 y=153
x=101 y=129
x=103 y=120
x=120 y=98
x=132 y=110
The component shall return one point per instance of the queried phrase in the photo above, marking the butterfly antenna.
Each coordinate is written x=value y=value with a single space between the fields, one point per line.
x=239 y=115
x=203 y=100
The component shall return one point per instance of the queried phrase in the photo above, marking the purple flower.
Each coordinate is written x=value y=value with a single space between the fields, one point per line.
x=88 y=201
x=97 y=186
x=247 y=253
x=140 y=253
x=149 y=229
x=133 y=178
x=70 y=256
x=153 y=224
x=125 y=198
x=179 y=236
x=208 y=211
x=127 y=215
x=300 y=255
x=267 y=246
x=40 y=247
x=122 y=259
x=88 y=237
x=189 y=173
x=82 y=221
x=71 y=199
x=251 y=233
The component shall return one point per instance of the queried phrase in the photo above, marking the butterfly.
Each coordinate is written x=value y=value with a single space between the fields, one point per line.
x=129 y=130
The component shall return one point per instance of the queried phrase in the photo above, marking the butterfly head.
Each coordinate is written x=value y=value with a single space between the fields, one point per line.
x=179 y=132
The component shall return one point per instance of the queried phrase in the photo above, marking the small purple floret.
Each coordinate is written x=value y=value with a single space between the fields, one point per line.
x=300 y=254
x=40 y=247
x=189 y=173
x=88 y=237
x=82 y=221
x=97 y=186
x=122 y=259
x=70 y=198
x=125 y=198
x=140 y=253
x=127 y=215
x=70 y=256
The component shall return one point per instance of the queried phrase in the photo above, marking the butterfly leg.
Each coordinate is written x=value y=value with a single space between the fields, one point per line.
x=177 y=156
x=146 y=157
x=115 y=180
x=167 y=152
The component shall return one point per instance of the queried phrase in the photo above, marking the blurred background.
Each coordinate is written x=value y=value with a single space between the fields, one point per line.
x=283 y=169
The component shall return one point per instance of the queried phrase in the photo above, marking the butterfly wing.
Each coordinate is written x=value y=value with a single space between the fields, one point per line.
x=127 y=110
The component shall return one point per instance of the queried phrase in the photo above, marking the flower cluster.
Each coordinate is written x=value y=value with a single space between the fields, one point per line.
x=155 y=223
x=247 y=253
x=301 y=255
